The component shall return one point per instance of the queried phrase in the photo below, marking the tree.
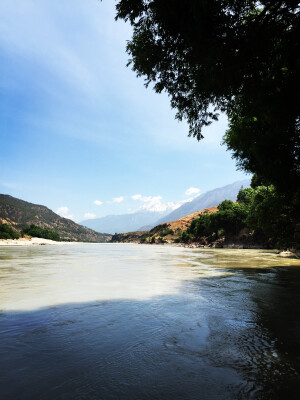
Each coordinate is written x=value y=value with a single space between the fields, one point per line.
x=226 y=205
x=230 y=217
x=276 y=215
x=245 y=196
x=37 y=231
x=257 y=180
x=237 y=57
x=6 y=232
x=200 y=226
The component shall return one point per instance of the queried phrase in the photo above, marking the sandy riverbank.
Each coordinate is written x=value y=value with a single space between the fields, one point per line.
x=30 y=242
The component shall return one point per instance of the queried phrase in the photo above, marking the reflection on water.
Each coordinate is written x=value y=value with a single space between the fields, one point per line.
x=148 y=322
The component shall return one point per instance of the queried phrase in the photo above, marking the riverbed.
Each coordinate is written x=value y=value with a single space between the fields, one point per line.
x=126 y=321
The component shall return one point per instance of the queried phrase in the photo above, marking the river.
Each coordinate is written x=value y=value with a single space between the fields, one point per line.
x=138 y=322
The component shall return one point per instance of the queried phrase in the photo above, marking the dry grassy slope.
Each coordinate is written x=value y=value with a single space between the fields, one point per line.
x=8 y=221
x=184 y=222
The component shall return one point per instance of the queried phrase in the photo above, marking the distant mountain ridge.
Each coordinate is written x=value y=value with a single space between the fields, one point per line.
x=123 y=222
x=208 y=199
x=145 y=220
x=18 y=213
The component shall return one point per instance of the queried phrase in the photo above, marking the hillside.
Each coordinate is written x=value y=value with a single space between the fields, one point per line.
x=184 y=231
x=184 y=222
x=168 y=231
x=206 y=200
x=18 y=213
x=144 y=220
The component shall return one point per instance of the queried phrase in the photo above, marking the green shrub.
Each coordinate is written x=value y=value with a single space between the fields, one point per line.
x=37 y=231
x=6 y=232
x=201 y=226
x=144 y=238
x=167 y=232
x=158 y=228
x=186 y=237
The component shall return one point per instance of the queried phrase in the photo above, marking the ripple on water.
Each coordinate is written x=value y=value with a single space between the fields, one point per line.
x=145 y=322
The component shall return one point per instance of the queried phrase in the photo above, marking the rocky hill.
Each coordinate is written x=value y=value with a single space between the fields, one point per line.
x=169 y=232
x=18 y=213
x=175 y=232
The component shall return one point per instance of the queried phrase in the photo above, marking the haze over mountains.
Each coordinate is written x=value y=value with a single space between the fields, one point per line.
x=145 y=220
x=124 y=222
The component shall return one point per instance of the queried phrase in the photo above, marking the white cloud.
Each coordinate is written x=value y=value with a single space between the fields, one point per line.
x=63 y=211
x=153 y=203
x=89 y=216
x=136 y=197
x=98 y=202
x=146 y=199
x=191 y=191
x=118 y=199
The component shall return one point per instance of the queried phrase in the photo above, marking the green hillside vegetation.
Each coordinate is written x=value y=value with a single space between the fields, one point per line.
x=36 y=231
x=159 y=234
x=156 y=234
x=261 y=217
x=20 y=214
x=266 y=213
x=130 y=237
x=6 y=232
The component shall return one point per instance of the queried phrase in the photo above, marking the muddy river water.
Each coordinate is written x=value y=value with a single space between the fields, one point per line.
x=125 y=321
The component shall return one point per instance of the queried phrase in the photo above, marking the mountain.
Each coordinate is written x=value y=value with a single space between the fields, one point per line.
x=18 y=213
x=206 y=200
x=167 y=232
x=145 y=220
x=124 y=222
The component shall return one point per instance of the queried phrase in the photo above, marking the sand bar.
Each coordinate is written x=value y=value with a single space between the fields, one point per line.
x=30 y=242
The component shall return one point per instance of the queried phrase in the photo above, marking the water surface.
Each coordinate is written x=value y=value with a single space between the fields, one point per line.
x=119 y=321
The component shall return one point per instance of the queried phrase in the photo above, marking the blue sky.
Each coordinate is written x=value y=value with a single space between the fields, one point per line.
x=79 y=132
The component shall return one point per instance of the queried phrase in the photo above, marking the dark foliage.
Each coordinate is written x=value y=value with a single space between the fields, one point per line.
x=39 y=232
x=237 y=57
x=271 y=214
x=276 y=215
x=158 y=228
x=6 y=232
x=229 y=220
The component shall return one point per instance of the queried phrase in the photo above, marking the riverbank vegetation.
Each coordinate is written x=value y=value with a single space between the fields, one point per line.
x=260 y=213
x=261 y=217
x=37 y=231
x=7 y=232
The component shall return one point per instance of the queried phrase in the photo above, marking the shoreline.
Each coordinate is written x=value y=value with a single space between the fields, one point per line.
x=32 y=242
x=289 y=253
x=281 y=253
x=44 y=242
